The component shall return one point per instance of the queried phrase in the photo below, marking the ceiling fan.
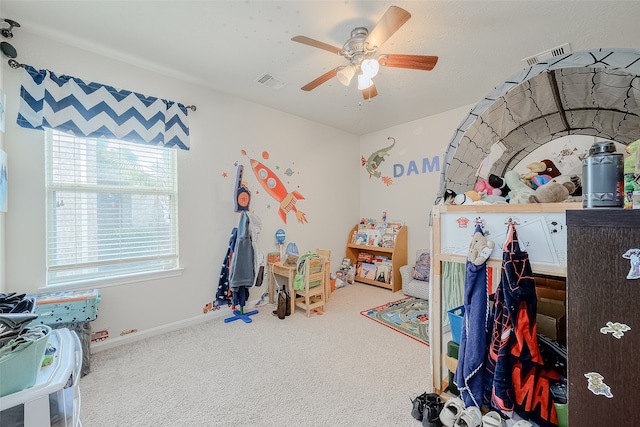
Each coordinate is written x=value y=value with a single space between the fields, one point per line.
x=360 y=50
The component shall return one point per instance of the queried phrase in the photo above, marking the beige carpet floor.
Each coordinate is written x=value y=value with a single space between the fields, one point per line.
x=335 y=369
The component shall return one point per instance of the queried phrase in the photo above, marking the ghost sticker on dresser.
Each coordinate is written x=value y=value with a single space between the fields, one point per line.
x=633 y=255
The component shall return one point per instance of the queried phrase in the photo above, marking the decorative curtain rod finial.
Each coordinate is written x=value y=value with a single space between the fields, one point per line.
x=6 y=32
x=191 y=107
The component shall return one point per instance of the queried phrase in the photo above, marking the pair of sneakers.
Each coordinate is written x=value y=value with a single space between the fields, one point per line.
x=455 y=414
x=426 y=408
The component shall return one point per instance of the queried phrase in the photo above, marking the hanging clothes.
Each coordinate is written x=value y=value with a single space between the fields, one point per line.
x=242 y=265
x=223 y=293
x=516 y=379
x=255 y=227
x=474 y=339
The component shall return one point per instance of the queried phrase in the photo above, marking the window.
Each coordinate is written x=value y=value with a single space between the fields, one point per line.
x=111 y=208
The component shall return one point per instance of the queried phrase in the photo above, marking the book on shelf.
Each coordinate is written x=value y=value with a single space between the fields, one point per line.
x=373 y=238
x=367 y=271
x=361 y=238
x=364 y=256
x=388 y=240
x=350 y=276
x=383 y=271
x=379 y=258
x=395 y=226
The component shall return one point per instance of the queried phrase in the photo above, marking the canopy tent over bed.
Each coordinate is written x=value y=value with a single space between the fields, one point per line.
x=591 y=92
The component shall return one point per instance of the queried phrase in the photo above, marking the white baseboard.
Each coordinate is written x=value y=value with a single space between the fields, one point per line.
x=162 y=329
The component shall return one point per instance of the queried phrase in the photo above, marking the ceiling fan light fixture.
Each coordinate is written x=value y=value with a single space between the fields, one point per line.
x=370 y=67
x=364 y=82
x=346 y=74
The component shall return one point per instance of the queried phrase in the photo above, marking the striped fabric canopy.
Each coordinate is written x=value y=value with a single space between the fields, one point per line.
x=95 y=110
x=591 y=92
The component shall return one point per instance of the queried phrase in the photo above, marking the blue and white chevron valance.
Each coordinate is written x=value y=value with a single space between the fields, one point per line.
x=95 y=110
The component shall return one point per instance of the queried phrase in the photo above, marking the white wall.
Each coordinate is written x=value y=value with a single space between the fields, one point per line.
x=321 y=158
x=413 y=191
x=221 y=127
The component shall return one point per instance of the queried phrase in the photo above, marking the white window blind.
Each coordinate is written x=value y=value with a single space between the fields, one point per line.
x=111 y=208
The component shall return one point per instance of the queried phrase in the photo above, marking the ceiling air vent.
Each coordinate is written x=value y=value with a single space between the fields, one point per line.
x=270 y=81
x=543 y=56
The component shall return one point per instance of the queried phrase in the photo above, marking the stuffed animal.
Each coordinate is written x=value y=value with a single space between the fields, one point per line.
x=540 y=173
x=539 y=180
x=575 y=179
x=449 y=197
x=520 y=191
x=631 y=184
x=467 y=198
x=499 y=183
x=535 y=168
x=480 y=248
x=631 y=162
x=550 y=169
x=483 y=187
x=552 y=192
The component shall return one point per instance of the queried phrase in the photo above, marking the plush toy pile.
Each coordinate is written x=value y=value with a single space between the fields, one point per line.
x=544 y=183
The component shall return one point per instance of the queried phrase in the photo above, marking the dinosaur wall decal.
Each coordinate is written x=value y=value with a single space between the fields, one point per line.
x=376 y=158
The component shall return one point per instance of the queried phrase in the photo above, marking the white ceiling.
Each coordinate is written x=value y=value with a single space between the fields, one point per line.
x=227 y=45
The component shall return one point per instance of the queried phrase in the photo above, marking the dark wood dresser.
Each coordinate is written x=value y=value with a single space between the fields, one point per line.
x=602 y=303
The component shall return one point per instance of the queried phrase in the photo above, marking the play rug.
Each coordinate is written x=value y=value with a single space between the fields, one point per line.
x=409 y=316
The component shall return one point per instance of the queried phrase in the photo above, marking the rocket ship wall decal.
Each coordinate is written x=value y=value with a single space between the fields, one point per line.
x=277 y=190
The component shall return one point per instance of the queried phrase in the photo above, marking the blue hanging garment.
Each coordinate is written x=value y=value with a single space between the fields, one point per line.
x=242 y=264
x=223 y=295
x=475 y=334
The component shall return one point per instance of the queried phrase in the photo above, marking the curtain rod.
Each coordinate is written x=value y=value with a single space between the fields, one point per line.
x=15 y=65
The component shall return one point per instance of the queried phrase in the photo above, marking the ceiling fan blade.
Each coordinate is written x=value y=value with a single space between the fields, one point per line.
x=415 y=62
x=370 y=92
x=318 y=44
x=393 y=19
x=323 y=78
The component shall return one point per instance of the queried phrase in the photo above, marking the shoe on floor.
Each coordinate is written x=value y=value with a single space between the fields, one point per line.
x=417 y=406
x=432 y=409
x=451 y=411
x=470 y=417
x=492 y=419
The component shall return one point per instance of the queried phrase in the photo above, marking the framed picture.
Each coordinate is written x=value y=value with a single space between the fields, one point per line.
x=3 y=181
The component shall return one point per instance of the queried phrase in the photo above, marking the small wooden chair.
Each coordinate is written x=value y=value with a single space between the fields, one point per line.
x=314 y=295
x=326 y=254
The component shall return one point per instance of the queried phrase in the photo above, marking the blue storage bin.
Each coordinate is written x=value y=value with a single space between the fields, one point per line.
x=66 y=306
x=455 y=319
